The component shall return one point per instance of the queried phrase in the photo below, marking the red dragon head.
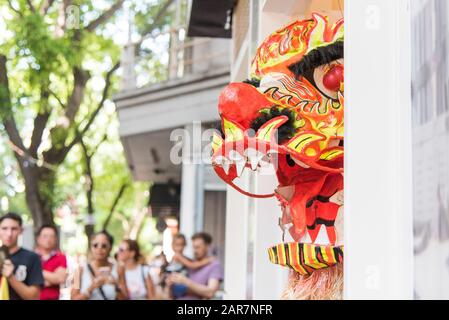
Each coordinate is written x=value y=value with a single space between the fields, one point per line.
x=289 y=114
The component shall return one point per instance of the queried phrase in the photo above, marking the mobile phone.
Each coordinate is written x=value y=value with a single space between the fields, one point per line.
x=104 y=271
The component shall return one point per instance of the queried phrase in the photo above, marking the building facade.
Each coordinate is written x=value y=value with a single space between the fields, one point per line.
x=162 y=124
x=430 y=106
x=396 y=149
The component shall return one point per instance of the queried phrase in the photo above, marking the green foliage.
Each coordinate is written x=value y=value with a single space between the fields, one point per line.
x=46 y=185
x=41 y=58
x=12 y=196
x=145 y=13
x=45 y=53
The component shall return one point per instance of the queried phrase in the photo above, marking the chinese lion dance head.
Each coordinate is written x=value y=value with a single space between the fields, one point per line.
x=289 y=116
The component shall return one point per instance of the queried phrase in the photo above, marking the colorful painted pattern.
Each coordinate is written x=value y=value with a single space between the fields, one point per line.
x=304 y=258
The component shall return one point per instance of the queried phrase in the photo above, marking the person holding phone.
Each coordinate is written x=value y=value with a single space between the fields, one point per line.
x=138 y=279
x=100 y=279
x=22 y=269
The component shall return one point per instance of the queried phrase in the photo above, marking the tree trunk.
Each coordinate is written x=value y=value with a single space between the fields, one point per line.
x=89 y=228
x=39 y=184
x=89 y=231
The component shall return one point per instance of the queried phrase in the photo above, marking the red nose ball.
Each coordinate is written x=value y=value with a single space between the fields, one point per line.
x=333 y=78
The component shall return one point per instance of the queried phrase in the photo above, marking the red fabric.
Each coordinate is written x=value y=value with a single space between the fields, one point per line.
x=56 y=260
x=309 y=183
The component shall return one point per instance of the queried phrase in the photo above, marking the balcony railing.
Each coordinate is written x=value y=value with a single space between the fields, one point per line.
x=171 y=56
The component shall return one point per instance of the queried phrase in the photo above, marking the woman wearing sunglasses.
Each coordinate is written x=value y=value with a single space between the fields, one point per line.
x=138 y=279
x=100 y=279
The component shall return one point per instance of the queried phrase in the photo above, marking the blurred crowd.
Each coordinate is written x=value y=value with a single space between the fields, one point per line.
x=104 y=275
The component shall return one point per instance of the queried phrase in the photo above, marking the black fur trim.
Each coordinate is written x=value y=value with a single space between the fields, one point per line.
x=286 y=131
x=254 y=82
x=316 y=58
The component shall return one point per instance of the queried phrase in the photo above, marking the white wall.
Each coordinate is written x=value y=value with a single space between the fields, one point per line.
x=430 y=116
x=236 y=249
x=378 y=186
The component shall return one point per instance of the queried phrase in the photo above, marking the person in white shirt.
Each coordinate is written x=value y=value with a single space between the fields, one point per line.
x=99 y=279
x=137 y=274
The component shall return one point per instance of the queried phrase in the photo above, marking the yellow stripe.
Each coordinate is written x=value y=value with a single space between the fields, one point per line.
x=284 y=258
x=313 y=259
x=306 y=255
x=271 y=254
x=265 y=133
x=299 y=143
x=309 y=260
x=297 y=258
x=331 y=154
x=317 y=263
x=323 y=252
x=292 y=264
x=279 y=255
x=232 y=131
x=217 y=142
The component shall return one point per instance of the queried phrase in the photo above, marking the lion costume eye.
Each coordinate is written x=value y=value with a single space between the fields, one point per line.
x=328 y=78
x=323 y=68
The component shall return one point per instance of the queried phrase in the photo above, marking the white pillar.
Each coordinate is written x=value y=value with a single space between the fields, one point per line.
x=187 y=210
x=236 y=245
x=378 y=187
x=191 y=211
x=267 y=234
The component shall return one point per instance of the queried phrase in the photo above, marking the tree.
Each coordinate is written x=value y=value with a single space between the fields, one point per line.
x=50 y=71
x=88 y=154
